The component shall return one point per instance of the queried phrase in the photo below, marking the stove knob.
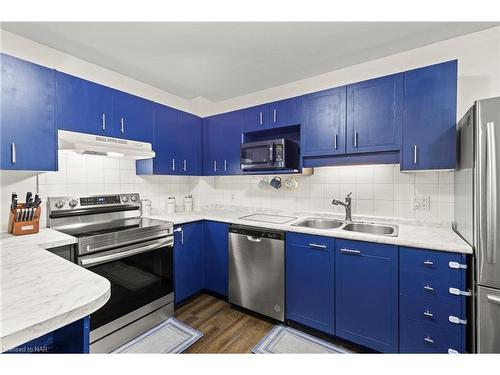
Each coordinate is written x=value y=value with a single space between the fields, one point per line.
x=133 y=198
x=60 y=203
x=73 y=202
x=124 y=198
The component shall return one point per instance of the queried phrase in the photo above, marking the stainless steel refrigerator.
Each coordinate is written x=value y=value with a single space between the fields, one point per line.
x=477 y=210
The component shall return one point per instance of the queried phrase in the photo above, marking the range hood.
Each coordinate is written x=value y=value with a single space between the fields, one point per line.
x=101 y=145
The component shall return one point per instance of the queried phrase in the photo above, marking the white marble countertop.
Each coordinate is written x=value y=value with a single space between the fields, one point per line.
x=412 y=233
x=40 y=291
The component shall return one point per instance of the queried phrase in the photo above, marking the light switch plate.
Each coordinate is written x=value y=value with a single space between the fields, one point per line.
x=421 y=202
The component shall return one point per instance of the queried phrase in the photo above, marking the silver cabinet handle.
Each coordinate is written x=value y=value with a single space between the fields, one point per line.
x=349 y=251
x=356 y=139
x=185 y=165
x=241 y=138
x=493 y=299
x=335 y=142
x=429 y=263
x=173 y=165
x=215 y=165
x=13 y=152
x=225 y=165
x=122 y=125
x=254 y=239
x=275 y=115
x=414 y=154
x=261 y=118
x=428 y=314
x=429 y=288
x=182 y=233
x=103 y=121
x=429 y=340
x=317 y=246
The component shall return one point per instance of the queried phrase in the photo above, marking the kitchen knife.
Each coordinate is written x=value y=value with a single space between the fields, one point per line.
x=13 y=203
x=28 y=198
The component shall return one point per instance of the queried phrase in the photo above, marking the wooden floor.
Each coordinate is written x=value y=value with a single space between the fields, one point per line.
x=225 y=329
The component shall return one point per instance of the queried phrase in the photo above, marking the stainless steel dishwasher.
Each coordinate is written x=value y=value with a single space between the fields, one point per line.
x=257 y=270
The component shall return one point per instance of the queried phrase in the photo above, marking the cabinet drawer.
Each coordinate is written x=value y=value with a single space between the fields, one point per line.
x=310 y=241
x=434 y=288
x=430 y=312
x=426 y=338
x=431 y=262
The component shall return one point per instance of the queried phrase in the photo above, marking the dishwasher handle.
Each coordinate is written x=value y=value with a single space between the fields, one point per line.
x=254 y=238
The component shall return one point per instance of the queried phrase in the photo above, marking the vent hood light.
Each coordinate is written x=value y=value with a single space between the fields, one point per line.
x=107 y=146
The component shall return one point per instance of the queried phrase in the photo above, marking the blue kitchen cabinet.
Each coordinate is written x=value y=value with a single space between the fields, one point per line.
x=188 y=260
x=73 y=338
x=28 y=130
x=133 y=117
x=221 y=141
x=432 y=320
x=429 y=121
x=190 y=127
x=375 y=115
x=309 y=269
x=255 y=118
x=83 y=106
x=366 y=294
x=324 y=125
x=281 y=113
x=215 y=256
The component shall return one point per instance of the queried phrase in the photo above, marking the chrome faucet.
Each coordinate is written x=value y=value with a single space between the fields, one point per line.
x=347 y=205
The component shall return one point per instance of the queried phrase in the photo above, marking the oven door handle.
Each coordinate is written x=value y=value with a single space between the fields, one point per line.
x=89 y=261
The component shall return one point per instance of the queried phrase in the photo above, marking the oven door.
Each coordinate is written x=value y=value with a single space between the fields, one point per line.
x=141 y=278
x=257 y=155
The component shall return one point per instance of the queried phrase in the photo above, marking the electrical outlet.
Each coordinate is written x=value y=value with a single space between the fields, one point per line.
x=421 y=202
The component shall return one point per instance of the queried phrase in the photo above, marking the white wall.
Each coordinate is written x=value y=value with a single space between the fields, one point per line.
x=478 y=72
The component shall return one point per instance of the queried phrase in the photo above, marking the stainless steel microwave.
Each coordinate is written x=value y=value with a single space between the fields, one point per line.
x=275 y=154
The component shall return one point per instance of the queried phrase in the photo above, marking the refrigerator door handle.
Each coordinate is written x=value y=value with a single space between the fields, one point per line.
x=491 y=192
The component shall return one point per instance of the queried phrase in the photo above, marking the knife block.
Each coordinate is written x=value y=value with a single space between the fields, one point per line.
x=18 y=228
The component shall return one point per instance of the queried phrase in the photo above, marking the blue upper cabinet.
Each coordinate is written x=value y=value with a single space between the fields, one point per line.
x=310 y=281
x=286 y=112
x=83 y=106
x=221 y=140
x=430 y=110
x=215 y=257
x=324 y=114
x=132 y=117
x=28 y=132
x=190 y=126
x=375 y=115
x=366 y=294
x=188 y=260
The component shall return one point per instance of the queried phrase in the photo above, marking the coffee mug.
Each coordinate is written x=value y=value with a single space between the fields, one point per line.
x=276 y=182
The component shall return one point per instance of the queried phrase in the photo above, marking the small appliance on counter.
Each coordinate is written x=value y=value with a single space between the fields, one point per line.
x=145 y=207
x=170 y=205
x=188 y=203
x=24 y=218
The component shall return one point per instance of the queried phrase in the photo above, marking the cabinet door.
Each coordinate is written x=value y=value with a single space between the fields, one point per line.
x=216 y=257
x=28 y=131
x=229 y=142
x=286 y=112
x=374 y=114
x=310 y=281
x=324 y=122
x=167 y=137
x=190 y=162
x=100 y=110
x=211 y=151
x=188 y=260
x=132 y=117
x=430 y=110
x=256 y=118
x=366 y=294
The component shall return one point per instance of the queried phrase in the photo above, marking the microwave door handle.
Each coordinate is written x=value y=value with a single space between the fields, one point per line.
x=271 y=153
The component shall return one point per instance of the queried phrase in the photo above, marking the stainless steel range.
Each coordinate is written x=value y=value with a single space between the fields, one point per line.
x=135 y=254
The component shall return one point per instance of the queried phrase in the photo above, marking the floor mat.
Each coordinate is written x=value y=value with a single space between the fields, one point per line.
x=282 y=340
x=171 y=336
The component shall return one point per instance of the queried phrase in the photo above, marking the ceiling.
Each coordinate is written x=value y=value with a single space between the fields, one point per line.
x=217 y=60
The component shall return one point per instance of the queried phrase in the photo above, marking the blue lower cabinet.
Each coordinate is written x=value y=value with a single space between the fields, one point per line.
x=310 y=281
x=188 y=260
x=366 y=294
x=70 y=339
x=432 y=319
x=216 y=257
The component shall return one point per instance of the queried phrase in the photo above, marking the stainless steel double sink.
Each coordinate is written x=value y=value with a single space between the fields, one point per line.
x=390 y=230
